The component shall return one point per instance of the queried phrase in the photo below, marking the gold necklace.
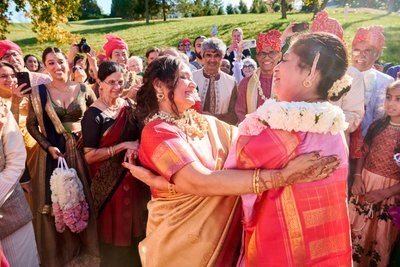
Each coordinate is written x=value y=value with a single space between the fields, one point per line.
x=192 y=123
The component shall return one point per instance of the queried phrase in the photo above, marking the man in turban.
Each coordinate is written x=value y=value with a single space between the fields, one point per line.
x=254 y=90
x=352 y=103
x=116 y=50
x=11 y=53
x=367 y=47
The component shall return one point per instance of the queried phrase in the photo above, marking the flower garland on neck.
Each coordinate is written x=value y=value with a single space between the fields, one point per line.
x=317 y=117
x=191 y=123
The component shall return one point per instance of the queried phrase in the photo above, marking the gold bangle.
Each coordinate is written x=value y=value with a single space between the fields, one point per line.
x=171 y=189
x=112 y=151
x=256 y=181
x=109 y=152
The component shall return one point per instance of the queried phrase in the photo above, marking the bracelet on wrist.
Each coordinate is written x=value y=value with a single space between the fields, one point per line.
x=256 y=181
x=357 y=174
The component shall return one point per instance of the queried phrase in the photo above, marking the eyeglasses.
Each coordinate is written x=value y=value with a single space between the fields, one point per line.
x=270 y=54
x=248 y=66
x=5 y=77
x=114 y=83
x=366 y=52
x=7 y=56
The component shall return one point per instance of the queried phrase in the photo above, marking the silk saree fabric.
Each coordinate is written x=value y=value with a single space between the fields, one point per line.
x=302 y=224
x=183 y=229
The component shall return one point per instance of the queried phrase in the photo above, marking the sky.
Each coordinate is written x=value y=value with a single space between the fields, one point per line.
x=105 y=5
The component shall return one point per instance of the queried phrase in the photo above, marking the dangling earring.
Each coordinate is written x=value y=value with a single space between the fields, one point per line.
x=160 y=96
x=307 y=83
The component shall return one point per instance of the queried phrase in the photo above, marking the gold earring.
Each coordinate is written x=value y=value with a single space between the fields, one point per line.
x=160 y=96
x=307 y=83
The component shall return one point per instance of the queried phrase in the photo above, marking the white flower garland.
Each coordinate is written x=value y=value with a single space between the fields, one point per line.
x=317 y=117
x=339 y=85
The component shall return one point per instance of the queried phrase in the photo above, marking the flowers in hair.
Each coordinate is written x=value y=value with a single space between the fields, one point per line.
x=318 y=117
x=339 y=85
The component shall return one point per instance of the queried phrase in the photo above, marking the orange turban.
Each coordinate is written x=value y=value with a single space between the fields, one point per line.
x=323 y=23
x=113 y=42
x=271 y=38
x=372 y=35
x=6 y=45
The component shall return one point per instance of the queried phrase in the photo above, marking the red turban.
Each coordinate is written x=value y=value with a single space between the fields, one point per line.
x=271 y=38
x=113 y=42
x=101 y=57
x=6 y=45
x=323 y=23
x=186 y=41
x=372 y=35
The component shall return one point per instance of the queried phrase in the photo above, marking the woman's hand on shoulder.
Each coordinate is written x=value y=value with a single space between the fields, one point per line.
x=310 y=167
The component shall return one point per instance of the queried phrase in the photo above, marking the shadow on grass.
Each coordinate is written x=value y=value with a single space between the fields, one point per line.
x=100 y=21
x=348 y=24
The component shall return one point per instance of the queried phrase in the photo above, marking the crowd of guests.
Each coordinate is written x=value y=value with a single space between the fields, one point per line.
x=202 y=156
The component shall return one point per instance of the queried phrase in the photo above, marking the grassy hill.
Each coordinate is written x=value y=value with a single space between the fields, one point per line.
x=140 y=36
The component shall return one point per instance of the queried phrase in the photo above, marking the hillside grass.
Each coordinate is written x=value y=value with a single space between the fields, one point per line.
x=140 y=36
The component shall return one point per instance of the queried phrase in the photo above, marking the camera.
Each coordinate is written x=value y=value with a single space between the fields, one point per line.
x=83 y=46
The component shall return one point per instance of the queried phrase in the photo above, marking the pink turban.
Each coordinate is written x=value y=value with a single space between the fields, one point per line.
x=323 y=23
x=6 y=45
x=271 y=38
x=113 y=42
x=372 y=35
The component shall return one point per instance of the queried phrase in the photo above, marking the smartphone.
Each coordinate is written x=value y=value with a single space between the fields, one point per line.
x=23 y=77
x=214 y=30
x=300 y=27
x=247 y=44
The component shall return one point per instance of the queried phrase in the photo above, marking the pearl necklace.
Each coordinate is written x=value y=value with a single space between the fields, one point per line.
x=192 y=123
x=112 y=108
x=394 y=124
x=260 y=90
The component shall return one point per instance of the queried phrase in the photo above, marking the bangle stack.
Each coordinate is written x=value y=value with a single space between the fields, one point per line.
x=171 y=189
x=110 y=151
x=256 y=181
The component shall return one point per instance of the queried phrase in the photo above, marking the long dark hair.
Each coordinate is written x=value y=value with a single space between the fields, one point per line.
x=165 y=69
x=379 y=125
x=332 y=62
x=6 y=64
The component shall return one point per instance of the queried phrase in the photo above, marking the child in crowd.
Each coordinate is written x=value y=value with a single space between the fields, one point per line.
x=376 y=184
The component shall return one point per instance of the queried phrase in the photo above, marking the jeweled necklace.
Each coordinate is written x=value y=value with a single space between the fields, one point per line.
x=63 y=90
x=191 y=123
x=112 y=108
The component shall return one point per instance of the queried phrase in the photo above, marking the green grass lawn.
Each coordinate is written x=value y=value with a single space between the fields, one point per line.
x=140 y=36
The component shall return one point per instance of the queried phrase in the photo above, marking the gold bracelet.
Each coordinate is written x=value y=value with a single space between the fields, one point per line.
x=256 y=181
x=109 y=152
x=171 y=189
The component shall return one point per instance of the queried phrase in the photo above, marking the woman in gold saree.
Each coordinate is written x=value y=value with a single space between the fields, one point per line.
x=54 y=116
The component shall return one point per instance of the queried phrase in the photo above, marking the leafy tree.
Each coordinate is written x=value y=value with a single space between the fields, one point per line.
x=314 y=5
x=255 y=7
x=230 y=9
x=89 y=10
x=242 y=7
x=46 y=17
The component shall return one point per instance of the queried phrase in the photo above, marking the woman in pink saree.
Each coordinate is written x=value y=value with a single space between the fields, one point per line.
x=193 y=213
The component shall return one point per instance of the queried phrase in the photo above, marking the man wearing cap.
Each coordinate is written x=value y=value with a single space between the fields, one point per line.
x=254 y=90
x=11 y=53
x=217 y=90
x=367 y=47
x=116 y=50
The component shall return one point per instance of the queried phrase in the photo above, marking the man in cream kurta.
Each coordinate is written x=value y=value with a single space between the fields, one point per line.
x=217 y=90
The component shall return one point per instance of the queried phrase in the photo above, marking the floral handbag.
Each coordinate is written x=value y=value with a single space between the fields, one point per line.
x=69 y=204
